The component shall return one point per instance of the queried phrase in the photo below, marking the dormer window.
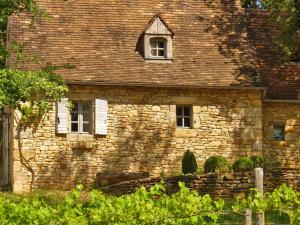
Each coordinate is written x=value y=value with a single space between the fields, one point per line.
x=158 y=47
x=158 y=40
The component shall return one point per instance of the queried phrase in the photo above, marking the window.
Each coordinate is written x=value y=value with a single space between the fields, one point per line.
x=278 y=132
x=184 y=116
x=158 y=47
x=81 y=117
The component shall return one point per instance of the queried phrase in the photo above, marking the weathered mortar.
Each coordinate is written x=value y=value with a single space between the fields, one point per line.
x=141 y=135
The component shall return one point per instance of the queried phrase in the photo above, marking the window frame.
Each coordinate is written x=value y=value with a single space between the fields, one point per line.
x=182 y=116
x=80 y=120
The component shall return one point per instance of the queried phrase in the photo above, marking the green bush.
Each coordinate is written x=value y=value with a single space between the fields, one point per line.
x=242 y=164
x=216 y=164
x=258 y=161
x=189 y=163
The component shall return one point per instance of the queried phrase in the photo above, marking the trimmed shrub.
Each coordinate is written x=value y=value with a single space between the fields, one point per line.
x=189 y=163
x=258 y=161
x=242 y=164
x=216 y=164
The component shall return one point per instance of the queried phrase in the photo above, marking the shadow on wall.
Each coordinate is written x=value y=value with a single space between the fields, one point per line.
x=281 y=76
x=139 y=141
x=230 y=29
x=143 y=141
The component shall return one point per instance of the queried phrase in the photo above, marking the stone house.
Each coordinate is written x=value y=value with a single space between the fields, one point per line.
x=151 y=79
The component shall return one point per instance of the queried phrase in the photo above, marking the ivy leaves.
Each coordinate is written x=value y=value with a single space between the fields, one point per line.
x=35 y=89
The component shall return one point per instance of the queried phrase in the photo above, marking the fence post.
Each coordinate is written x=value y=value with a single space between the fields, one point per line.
x=259 y=184
x=248 y=217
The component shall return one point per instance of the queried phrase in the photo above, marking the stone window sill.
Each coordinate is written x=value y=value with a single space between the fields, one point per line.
x=79 y=137
x=180 y=132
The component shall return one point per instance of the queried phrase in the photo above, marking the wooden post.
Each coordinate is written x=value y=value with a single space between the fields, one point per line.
x=259 y=184
x=259 y=180
x=248 y=217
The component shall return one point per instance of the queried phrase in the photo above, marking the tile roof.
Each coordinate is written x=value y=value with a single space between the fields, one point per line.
x=102 y=39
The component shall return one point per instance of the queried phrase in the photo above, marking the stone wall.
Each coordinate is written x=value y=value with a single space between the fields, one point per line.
x=224 y=186
x=142 y=135
x=275 y=177
x=285 y=153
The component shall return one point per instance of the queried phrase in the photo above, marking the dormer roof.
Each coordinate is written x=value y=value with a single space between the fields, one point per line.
x=158 y=26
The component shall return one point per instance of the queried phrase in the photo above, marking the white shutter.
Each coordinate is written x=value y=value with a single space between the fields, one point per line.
x=101 y=110
x=62 y=116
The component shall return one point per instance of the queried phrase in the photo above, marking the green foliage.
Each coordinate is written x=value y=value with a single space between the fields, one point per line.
x=286 y=14
x=254 y=4
x=35 y=89
x=242 y=164
x=189 y=163
x=216 y=164
x=142 y=207
x=29 y=92
x=258 y=161
x=283 y=200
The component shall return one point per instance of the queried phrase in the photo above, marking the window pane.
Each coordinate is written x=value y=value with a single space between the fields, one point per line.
x=187 y=122
x=154 y=52
x=279 y=133
x=179 y=111
x=74 y=127
x=86 y=117
x=161 y=44
x=153 y=44
x=161 y=52
x=74 y=116
x=86 y=127
x=179 y=122
x=187 y=111
x=86 y=107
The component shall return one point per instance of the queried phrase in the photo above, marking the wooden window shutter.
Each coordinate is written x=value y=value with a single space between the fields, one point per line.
x=62 y=116
x=101 y=111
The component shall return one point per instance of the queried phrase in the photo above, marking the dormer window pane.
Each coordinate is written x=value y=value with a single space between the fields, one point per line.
x=161 y=44
x=154 y=52
x=161 y=52
x=158 y=47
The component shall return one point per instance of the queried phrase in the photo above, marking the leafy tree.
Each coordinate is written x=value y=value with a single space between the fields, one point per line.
x=286 y=14
x=35 y=88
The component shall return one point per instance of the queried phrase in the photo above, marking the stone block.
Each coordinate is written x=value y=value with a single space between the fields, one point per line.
x=257 y=146
x=292 y=137
x=185 y=133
